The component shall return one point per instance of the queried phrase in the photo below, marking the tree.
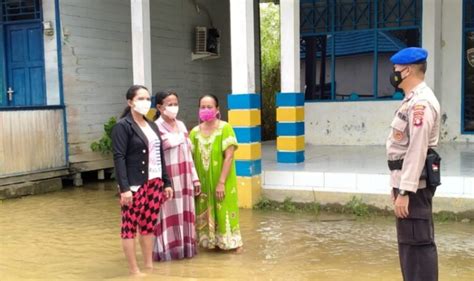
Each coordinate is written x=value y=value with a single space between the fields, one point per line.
x=270 y=54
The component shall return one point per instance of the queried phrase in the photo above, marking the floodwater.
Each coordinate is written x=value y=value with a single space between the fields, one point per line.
x=74 y=234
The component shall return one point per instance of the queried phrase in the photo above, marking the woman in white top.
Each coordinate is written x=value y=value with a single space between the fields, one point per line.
x=142 y=179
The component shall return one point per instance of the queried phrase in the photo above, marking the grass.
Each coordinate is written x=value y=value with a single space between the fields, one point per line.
x=288 y=205
x=355 y=207
x=445 y=216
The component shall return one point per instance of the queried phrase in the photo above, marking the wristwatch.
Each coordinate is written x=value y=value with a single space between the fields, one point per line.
x=403 y=192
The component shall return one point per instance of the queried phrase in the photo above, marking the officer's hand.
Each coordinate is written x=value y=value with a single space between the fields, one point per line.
x=392 y=196
x=401 y=206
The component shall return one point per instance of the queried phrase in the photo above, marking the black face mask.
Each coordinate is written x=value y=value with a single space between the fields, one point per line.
x=396 y=78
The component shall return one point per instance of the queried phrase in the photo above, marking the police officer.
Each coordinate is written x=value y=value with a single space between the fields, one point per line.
x=414 y=129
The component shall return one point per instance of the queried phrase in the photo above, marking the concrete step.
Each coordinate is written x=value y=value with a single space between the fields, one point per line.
x=30 y=188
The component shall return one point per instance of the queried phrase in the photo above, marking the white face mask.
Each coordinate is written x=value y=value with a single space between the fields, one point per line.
x=171 y=111
x=142 y=106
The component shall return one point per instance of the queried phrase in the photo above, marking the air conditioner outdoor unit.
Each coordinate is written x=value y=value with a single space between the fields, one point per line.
x=201 y=40
x=207 y=44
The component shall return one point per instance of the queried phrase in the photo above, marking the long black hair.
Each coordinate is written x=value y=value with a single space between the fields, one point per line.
x=216 y=100
x=160 y=97
x=131 y=93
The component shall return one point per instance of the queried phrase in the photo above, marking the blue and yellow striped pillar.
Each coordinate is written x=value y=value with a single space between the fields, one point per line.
x=290 y=127
x=244 y=116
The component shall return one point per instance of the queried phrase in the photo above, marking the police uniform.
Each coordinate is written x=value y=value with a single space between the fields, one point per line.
x=414 y=129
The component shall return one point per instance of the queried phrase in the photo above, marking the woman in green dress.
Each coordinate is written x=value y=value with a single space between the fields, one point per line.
x=217 y=210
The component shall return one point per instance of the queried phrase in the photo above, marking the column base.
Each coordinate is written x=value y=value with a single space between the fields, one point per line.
x=292 y=157
x=249 y=191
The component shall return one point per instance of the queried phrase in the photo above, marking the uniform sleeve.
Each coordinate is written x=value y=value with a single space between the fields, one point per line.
x=228 y=137
x=119 y=147
x=421 y=121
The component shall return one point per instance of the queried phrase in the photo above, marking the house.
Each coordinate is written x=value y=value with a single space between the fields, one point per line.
x=66 y=64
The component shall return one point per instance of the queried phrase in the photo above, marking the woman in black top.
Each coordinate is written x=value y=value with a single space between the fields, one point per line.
x=141 y=175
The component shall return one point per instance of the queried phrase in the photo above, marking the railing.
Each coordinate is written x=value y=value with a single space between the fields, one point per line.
x=319 y=17
x=14 y=10
x=379 y=23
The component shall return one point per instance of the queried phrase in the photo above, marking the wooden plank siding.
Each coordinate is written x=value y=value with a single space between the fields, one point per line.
x=172 y=41
x=97 y=68
x=97 y=64
x=31 y=141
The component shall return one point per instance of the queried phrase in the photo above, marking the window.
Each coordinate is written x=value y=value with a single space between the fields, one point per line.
x=468 y=68
x=15 y=10
x=346 y=46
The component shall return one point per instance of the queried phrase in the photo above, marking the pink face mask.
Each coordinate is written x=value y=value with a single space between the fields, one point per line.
x=206 y=114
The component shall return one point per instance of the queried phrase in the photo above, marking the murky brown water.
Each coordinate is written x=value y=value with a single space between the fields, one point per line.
x=73 y=234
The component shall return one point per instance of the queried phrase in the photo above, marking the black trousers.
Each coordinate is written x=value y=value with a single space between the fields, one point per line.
x=416 y=247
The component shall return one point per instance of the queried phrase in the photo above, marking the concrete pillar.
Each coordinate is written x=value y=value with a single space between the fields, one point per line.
x=290 y=102
x=431 y=41
x=141 y=42
x=244 y=102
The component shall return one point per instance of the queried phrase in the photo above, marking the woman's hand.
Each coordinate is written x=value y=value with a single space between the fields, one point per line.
x=197 y=189
x=220 y=193
x=168 y=192
x=126 y=198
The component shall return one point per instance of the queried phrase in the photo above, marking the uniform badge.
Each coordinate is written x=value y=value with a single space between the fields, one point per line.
x=418 y=120
x=418 y=112
x=419 y=107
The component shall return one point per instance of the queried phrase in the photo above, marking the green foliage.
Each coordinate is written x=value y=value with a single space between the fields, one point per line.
x=313 y=207
x=104 y=145
x=444 y=216
x=354 y=207
x=270 y=68
x=357 y=207
x=289 y=205
x=263 y=204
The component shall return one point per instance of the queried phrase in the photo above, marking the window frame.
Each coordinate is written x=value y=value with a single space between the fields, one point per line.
x=465 y=30
x=375 y=26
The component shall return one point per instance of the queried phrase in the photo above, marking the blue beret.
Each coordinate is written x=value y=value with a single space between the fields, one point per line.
x=412 y=55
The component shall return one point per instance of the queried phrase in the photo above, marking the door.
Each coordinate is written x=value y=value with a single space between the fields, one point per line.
x=25 y=64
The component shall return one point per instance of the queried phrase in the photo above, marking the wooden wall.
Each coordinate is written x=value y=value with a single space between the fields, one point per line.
x=172 y=41
x=31 y=141
x=97 y=61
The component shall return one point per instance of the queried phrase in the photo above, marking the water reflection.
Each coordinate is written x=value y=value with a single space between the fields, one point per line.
x=74 y=234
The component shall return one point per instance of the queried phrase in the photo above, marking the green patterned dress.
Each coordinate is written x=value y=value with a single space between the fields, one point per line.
x=217 y=222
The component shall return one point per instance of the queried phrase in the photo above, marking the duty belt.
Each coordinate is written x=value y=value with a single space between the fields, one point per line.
x=395 y=164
